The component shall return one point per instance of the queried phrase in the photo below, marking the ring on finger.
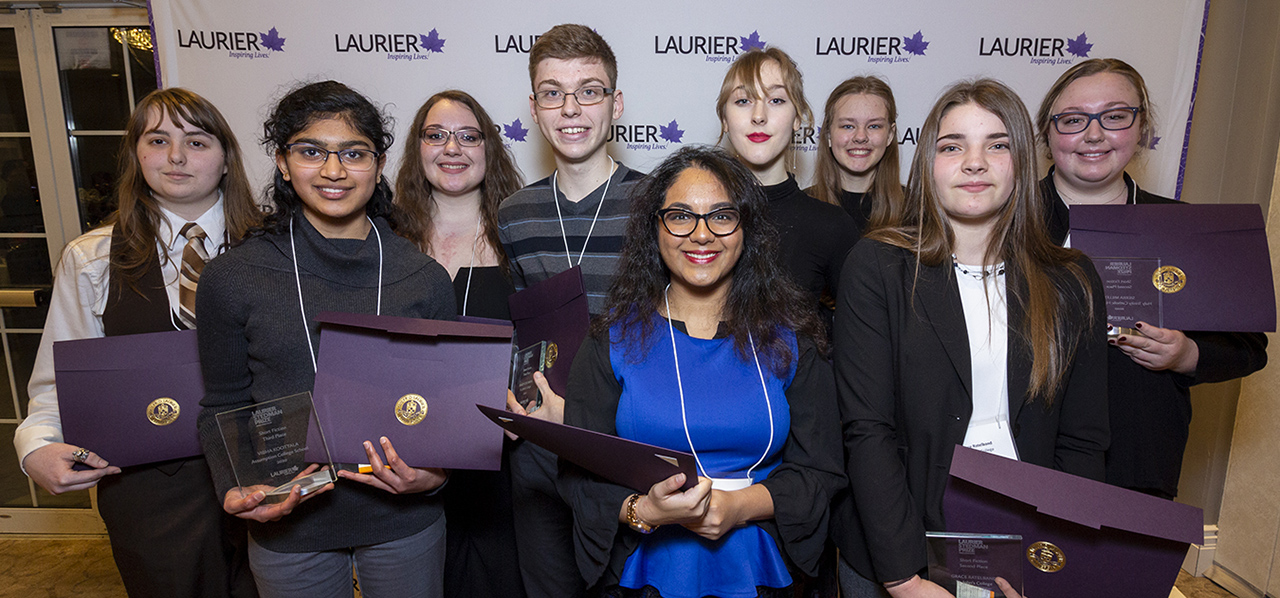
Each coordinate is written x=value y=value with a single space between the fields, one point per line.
x=80 y=455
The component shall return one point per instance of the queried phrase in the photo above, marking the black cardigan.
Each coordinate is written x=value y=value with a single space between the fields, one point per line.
x=802 y=486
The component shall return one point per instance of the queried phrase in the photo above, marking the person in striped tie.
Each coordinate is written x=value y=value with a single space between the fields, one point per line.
x=183 y=196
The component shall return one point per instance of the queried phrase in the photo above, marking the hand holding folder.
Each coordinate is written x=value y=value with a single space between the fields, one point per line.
x=635 y=465
x=131 y=399
x=412 y=381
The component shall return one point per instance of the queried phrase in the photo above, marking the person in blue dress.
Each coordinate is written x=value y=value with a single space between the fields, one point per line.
x=706 y=347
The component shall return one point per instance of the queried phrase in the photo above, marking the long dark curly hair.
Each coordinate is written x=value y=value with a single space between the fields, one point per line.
x=762 y=301
x=414 y=194
x=299 y=109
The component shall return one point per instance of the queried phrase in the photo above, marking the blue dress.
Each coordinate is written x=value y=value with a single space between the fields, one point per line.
x=736 y=432
x=802 y=468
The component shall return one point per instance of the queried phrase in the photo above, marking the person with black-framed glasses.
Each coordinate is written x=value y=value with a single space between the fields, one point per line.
x=706 y=346
x=1095 y=119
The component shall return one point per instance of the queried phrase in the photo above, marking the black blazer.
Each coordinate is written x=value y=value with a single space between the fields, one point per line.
x=1150 y=410
x=903 y=375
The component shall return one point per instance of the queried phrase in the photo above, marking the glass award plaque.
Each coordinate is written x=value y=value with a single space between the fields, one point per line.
x=276 y=445
x=524 y=363
x=967 y=565
x=1132 y=287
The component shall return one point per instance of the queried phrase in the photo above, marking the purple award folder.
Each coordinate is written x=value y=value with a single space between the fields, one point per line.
x=554 y=310
x=413 y=381
x=1080 y=537
x=636 y=465
x=131 y=399
x=1213 y=270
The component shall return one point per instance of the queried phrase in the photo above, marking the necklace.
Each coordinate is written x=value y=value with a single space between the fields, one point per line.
x=981 y=273
x=1127 y=194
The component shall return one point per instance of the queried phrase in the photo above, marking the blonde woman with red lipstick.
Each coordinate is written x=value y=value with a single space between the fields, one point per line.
x=858 y=170
x=963 y=324
x=761 y=105
x=1094 y=121
x=454 y=173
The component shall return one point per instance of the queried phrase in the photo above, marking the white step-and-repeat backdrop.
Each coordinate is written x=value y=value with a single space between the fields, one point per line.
x=672 y=55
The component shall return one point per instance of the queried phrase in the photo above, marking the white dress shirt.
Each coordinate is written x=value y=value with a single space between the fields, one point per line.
x=78 y=301
x=986 y=321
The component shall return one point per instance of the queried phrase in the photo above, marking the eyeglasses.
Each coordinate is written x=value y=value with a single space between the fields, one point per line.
x=355 y=159
x=467 y=137
x=585 y=96
x=681 y=223
x=1115 y=119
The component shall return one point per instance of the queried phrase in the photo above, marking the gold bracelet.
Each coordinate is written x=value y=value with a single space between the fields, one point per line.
x=633 y=520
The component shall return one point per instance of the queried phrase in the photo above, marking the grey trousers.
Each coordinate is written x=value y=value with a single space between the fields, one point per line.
x=853 y=585
x=409 y=567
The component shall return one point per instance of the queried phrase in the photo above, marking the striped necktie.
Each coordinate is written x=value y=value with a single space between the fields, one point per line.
x=194 y=257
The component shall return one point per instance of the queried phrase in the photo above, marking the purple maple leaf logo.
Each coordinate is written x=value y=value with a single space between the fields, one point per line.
x=1079 y=46
x=671 y=132
x=515 y=131
x=1154 y=141
x=431 y=42
x=915 y=44
x=752 y=42
x=271 y=40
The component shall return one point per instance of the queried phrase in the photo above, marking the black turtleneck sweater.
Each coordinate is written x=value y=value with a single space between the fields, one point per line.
x=814 y=237
x=253 y=348
x=858 y=206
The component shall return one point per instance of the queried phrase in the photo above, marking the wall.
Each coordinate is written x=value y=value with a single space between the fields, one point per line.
x=1235 y=135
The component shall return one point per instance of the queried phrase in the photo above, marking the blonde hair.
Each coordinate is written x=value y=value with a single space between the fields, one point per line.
x=886 y=187
x=746 y=71
x=1094 y=66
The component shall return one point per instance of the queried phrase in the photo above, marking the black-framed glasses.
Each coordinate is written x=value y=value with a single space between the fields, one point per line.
x=466 y=137
x=585 y=96
x=1115 y=119
x=681 y=222
x=356 y=159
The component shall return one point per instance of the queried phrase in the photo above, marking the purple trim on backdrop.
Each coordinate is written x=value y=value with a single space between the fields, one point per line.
x=1195 y=85
x=155 y=50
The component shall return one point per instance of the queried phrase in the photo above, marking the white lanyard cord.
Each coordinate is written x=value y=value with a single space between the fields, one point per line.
x=302 y=307
x=472 y=268
x=556 y=200
x=680 y=387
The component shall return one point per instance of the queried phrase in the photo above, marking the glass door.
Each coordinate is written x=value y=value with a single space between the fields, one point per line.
x=68 y=81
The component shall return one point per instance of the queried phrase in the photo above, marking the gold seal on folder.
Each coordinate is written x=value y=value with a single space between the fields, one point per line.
x=1169 y=279
x=411 y=409
x=1046 y=557
x=162 y=411
x=553 y=353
